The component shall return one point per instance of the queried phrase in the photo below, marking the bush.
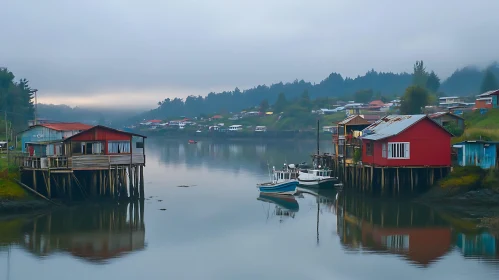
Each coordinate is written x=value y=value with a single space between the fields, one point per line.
x=464 y=178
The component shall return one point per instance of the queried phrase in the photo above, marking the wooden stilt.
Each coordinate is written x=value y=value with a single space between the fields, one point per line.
x=142 y=185
x=101 y=183
x=49 y=189
x=116 y=182
x=370 y=185
x=412 y=182
x=34 y=180
x=94 y=184
x=70 y=188
x=130 y=182
x=398 y=182
x=110 y=182
x=382 y=180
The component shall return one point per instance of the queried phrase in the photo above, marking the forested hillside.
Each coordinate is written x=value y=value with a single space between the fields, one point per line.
x=463 y=82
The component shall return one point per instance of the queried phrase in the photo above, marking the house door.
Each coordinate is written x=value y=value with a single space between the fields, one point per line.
x=88 y=149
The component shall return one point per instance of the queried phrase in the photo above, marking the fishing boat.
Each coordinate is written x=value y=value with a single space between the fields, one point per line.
x=286 y=187
x=192 y=142
x=282 y=182
x=318 y=175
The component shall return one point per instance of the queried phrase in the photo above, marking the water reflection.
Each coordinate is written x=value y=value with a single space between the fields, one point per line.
x=96 y=233
x=414 y=232
x=229 y=156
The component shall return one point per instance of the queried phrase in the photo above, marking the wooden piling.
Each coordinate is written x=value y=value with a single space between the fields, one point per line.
x=398 y=181
x=130 y=182
x=382 y=180
x=70 y=188
x=49 y=189
x=412 y=182
x=34 y=180
x=142 y=185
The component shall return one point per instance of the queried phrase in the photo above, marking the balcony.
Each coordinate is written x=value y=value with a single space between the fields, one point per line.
x=84 y=162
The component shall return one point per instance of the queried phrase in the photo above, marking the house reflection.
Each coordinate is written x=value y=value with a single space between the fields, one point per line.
x=478 y=245
x=94 y=233
x=414 y=232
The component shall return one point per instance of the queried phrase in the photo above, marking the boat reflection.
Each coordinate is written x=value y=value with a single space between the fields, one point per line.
x=285 y=205
x=94 y=233
x=414 y=232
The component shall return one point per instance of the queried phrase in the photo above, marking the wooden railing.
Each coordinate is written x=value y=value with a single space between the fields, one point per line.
x=80 y=162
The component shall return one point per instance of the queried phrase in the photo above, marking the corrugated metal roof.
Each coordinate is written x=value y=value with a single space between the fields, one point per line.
x=439 y=114
x=353 y=117
x=66 y=126
x=390 y=126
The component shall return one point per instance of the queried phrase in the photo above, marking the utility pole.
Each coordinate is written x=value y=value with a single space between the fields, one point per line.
x=7 y=140
x=36 y=106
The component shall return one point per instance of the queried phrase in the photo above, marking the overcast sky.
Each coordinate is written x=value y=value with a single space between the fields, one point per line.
x=134 y=53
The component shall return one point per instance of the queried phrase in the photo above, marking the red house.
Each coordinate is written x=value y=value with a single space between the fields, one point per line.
x=406 y=140
x=101 y=140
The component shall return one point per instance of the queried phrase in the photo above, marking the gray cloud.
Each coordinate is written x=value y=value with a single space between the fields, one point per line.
x=163 y=48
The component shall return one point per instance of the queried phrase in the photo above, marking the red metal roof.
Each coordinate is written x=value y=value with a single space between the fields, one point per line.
x=154 y=121
x=66 y=126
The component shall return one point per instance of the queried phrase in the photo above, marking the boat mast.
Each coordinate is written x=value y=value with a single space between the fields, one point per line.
x=317 y=137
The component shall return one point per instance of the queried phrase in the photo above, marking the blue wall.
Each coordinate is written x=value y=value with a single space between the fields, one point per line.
x=39 y=134
x=477 y=154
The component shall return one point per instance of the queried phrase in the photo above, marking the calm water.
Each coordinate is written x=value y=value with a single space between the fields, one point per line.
x=218 y=229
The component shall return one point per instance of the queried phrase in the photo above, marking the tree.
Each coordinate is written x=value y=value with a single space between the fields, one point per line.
x=305 y=100
x=16 y=99
x=264 y=105
x=363 y=96
x=419 y=76
x=281 y=103
x=489 y=82
x=414 y=100
x=433 y=82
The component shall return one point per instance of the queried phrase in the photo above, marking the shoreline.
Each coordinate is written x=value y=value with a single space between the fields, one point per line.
x=23 y=206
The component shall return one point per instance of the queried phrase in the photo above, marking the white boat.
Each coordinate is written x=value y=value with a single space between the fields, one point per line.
x=316 y=177
x=282 y=182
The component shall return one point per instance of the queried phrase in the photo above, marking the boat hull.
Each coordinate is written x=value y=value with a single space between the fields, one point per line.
x=317 y=182
x=288 y=187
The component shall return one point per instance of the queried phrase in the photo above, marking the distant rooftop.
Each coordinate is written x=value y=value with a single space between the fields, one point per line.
x=66 y=126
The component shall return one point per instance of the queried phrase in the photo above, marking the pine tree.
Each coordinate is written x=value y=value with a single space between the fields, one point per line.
x=489 y=82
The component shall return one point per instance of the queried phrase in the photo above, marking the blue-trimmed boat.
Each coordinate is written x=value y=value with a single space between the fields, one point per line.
x=286 y=187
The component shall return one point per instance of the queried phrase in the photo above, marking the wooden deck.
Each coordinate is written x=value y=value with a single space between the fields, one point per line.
x=85 y=162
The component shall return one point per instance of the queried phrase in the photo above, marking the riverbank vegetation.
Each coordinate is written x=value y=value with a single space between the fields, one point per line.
x=9 y=189
x=471 y=184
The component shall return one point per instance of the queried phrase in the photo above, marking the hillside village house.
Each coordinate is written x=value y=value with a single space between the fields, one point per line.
x=46 y=139
x=487 y=100
x=449 y=101
x=345 y=137
x=406 y=141
x=447 y=118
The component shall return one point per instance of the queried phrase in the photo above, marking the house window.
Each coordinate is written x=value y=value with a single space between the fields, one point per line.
x=118 y=147
x=383 y=150
x=139 y=145
x=398 y=150
x=334 y=149
x=369 y=149
x=396 y=242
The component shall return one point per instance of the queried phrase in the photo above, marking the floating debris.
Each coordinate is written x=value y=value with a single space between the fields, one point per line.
x=185 y=186
x=160 y=200
x=163 y=209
